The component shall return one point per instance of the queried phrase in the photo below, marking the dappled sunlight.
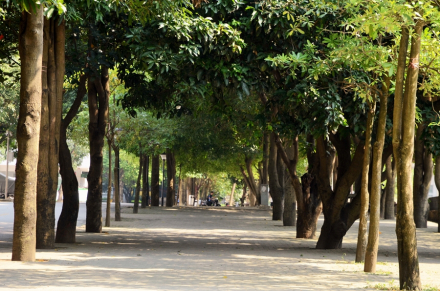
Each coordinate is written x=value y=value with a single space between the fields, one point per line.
x=184 y=249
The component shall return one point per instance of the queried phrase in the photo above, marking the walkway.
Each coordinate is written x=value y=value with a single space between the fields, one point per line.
x=209 y=249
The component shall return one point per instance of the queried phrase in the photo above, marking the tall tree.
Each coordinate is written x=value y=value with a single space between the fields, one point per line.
x=365 y=195
x=66 y=228
x=171 y=175
x=28 y=135
x=403 y=144
x=98 y=100
x=422 y=178
x=54 y=41
x=377 y=166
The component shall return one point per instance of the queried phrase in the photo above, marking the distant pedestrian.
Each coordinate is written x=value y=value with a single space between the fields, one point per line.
x=210 y=199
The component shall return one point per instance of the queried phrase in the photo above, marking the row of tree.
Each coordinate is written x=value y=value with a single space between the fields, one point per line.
x=345 y=88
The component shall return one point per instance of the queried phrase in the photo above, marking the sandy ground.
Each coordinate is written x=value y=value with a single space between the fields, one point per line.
x=210 y=249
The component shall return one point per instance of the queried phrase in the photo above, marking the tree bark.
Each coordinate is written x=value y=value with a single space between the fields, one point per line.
x=309 y=203
x=117 y=183
x=254 y=196
x=44 y=182
x=155 y=168
x=145 y=184
x=109 y=188
x=266 y=152
x=389 y=190
x=339 y=216
x=28 y=135
x=138 y=184
x=243 y=196
x=276 y=189
x=376 y=179
x=98 y=99
x=422 y=179
x=54 y=40
x=365 y=195
x=231 y=198
x=437 y=184
x=171 y=174
x=403 y=144
x=289 y=213
x=66 y=228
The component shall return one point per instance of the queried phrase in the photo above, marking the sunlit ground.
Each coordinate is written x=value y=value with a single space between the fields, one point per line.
x=210 y=249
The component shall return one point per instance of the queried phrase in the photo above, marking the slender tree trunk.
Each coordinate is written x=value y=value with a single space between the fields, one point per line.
x=403 y=143
x=54 y=40
x=28 y=135
x=422 y=179
x=145 y=184
x=44 y=182
x=373 y=234
x=243 y=196
x=155 y=168
x=171 y=173
x=389 y=190
x=231 y=198
x=109 y=188
x=365 y=195
x=254 y=196
x=266 y=152
x=66 y=228
x=138 y=184
x=437 y=184
x=98 y=99
x=117 y=183
x=276 y=190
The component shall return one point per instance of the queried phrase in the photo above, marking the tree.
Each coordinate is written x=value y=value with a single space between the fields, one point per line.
x=66 y=228
x=53 y=80
x=28 y=134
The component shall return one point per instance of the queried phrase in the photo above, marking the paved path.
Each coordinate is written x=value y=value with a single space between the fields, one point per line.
x=209 y=249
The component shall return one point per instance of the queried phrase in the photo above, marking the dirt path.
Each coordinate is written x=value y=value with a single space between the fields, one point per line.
x=210 y=249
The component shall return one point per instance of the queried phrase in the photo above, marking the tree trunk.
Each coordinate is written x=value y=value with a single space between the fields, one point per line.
x=66 y=228
x=155 y=168
x=382 y=203
x=365 y=195
x=171 y=174
x=376 y=179
x=231 y=198
x=437 y=184
x=339 y=216
x=389 y=190
x=145 y=184
x=54 y=38
x=98 y=99
x=289 y=213
x=254 y=195
x=138 y=184
x=243 y=196
x=403 y=144
x=276 y=189
x=109 y=188
x=422 y=179
x=266 y=152
x=309 y=202
x=117 y=183
x=28 y=135
x=44 y=182
x=310 y=209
